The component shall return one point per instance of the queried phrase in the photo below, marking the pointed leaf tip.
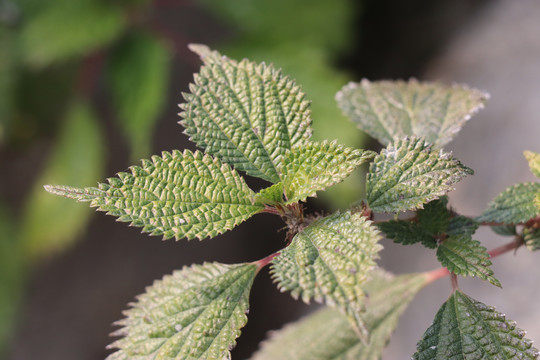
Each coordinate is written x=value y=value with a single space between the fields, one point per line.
x=330 y=261
x=468 y=329
x=409 y=173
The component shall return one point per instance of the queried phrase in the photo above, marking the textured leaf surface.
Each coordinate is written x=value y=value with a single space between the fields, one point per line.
x=407 y=233
x=316 y=166
x=177 y=195
x=51 y=223
x=245 y=113
x=408 y=173
x=388 y=109
x=330 y=261
x=195 y=313
x=534 y=162
x=464 y=256
x=139 y=73
x=531 y=238
x=326 y=334
x=461 y=225
x=468 y=329
x=434 y=217
x=514 y=205
x=66 y=29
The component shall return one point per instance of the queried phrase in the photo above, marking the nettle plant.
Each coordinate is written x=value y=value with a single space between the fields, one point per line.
x=250 y=118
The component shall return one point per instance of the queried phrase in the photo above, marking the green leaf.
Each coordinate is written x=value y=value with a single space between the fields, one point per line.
x=246 y=114
x=467 y=257
x=8 y=78
x=531 y=238
x=461 y=225
x=330 y=261
x=195 y=313
x=327 y=335
x=50 y=224
x=271 y=195
x=177 y=195
x=139 y=73
x=468 y=329
x=68 y=29
x=388 y=109
x=514 y=205
x=408 y=173
x=407 y=233
x=315 y=166
x=434 y=217
x=534 y=162
x=505 y=230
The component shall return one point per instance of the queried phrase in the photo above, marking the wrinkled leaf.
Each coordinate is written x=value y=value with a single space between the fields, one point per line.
x=531 y=238
x=139 y=73
x=329 y=261
x=177 y=195
x=388 y=109
x=434 y=217
x=327 y=335
x=68 y=29
x=316 y=166
x=195 y=313
x=514 y=205
x=461 y=225
x=408 y=173
x=534 y=162
x=407 y=233
x=467 y=257
x=468 y=329
x=51 y=223
x=246 y=114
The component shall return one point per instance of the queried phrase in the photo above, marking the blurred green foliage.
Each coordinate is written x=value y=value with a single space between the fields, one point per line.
x=57 y=56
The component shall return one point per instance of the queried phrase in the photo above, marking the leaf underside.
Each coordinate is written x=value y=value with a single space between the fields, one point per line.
x=408 y=173
x=195 y=313
x=177 y=195
x=514 y=205
x=467 y=257
x=531 y=238
x=316 y=166
x=388 y=109
x=246 y=114
x=330 y=261
x=468 y=329
x=534 y=162
x=327 y=335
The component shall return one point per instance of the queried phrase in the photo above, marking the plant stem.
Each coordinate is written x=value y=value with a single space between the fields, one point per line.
x=442 y=272
x=265 y=261
x=453 y=280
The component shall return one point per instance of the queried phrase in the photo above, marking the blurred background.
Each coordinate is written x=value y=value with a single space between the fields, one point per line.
x=89 y=87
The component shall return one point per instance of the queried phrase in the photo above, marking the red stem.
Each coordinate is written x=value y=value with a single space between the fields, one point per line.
x=265 y=261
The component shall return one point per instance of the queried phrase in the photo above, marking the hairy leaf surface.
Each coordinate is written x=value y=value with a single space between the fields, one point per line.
x=464 y=256
x=327 y=335
x=330 y=261
x=139 y=73
x=177 y=195
x=195 y=313
x=468 y=329
x=66 y=29
x=246 y=114
x=408 y=173
x=407 y=233
x=531 y=238
x=388 y=109
x=316 y=166
x=514 y=205
x=534 y=162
